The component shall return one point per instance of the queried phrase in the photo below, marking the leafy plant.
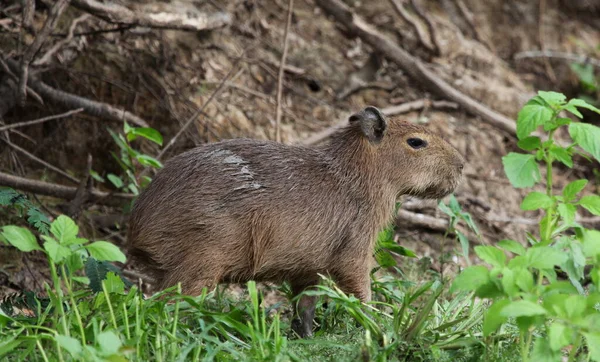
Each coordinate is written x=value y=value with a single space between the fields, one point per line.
x=549 y=313
x=129 y=158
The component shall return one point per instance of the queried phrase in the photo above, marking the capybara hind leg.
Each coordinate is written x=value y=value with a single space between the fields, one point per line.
x=355 y=281
x=304 y=309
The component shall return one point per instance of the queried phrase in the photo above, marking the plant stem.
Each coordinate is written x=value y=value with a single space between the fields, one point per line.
x=110 y=308
x=77 y=315
x=573 y=352
x=550 y=212
x=59 y=296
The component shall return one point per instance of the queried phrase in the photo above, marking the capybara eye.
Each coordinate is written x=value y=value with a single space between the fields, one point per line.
x=416 y=143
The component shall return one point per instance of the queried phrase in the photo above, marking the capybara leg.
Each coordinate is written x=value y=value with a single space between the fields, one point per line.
x=355 y=281
x=304 y=309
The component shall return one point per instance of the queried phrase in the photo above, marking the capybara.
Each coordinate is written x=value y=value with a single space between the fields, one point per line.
x=243 y=209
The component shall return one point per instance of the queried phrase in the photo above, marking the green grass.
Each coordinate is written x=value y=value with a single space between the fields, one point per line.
x=405 y=322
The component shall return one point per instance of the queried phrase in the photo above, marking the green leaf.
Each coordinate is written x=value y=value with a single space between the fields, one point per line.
x=398 y=249
x=20 y=238
x=508 y=282
x=522 y=308
x=148 y=161
x=586 y=75
x=492 y=319
x=591 y=203
x=385 y=259
x=521 y=170
x=491 y=255
x=593 y=344
x=559 y=336
x=587 y=136
x=561 y=155
x=96 y=272
x=512 y=246
x=591 y=243
x=553 y=98
x=524 y=279
x=471 y=278
x=103 y=250
x=558 y=122
x=56 y=251
x=464 y=244
x=8 y=196
x=8 y=345
x=72 y=345
x=96 y=176
x=583 y=104
x=573 y=188
x=108 y=342
x=542 y=352
x=536 y=200
x=114 y=284
x=535 y=113
x=545 y=257
x=64 y=229
x=115 y=180
x=148 y=133
x=567 y=213
x=529 y=143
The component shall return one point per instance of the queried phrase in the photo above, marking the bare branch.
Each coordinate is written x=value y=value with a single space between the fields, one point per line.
x=413 y=66
x=579 y=58
x=399 y=6
x=60 y=191
x=44 y=60
x=40 y=161
x=117 y=14
x=32 y=50
x=281 y=68
x=73 y=101
x=40 y=120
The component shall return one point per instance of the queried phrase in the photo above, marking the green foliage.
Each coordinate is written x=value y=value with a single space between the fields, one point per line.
x=524 y=288
x=131 y=160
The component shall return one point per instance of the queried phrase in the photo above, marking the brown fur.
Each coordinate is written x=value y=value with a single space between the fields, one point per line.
x=244 y=209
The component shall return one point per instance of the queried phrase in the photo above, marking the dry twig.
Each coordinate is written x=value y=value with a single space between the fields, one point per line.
x=39 y=160
x=60 y=191
x=40 y=120
x=281 y=68
x=436 y=47
x=34 y=48
x=399 y=6
x=73 y=101
x=45 y=59
x=117 y=14
x=579 y=58
x=413 y=66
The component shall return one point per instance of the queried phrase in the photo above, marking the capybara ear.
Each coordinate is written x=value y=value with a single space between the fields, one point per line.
x=372 y=123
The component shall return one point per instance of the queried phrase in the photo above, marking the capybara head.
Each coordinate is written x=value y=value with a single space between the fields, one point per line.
x=416 y=161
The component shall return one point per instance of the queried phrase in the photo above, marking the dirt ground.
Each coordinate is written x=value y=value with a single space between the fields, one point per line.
x=164 y=76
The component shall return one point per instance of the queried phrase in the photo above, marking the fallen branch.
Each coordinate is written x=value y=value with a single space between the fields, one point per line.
x=117 y=14
x=389 y=111
x=40 y=120
x=69 y=100
x=579 y=58
x=281 y=68
x=45 y=59
x=60 y=191
x=413 y=66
